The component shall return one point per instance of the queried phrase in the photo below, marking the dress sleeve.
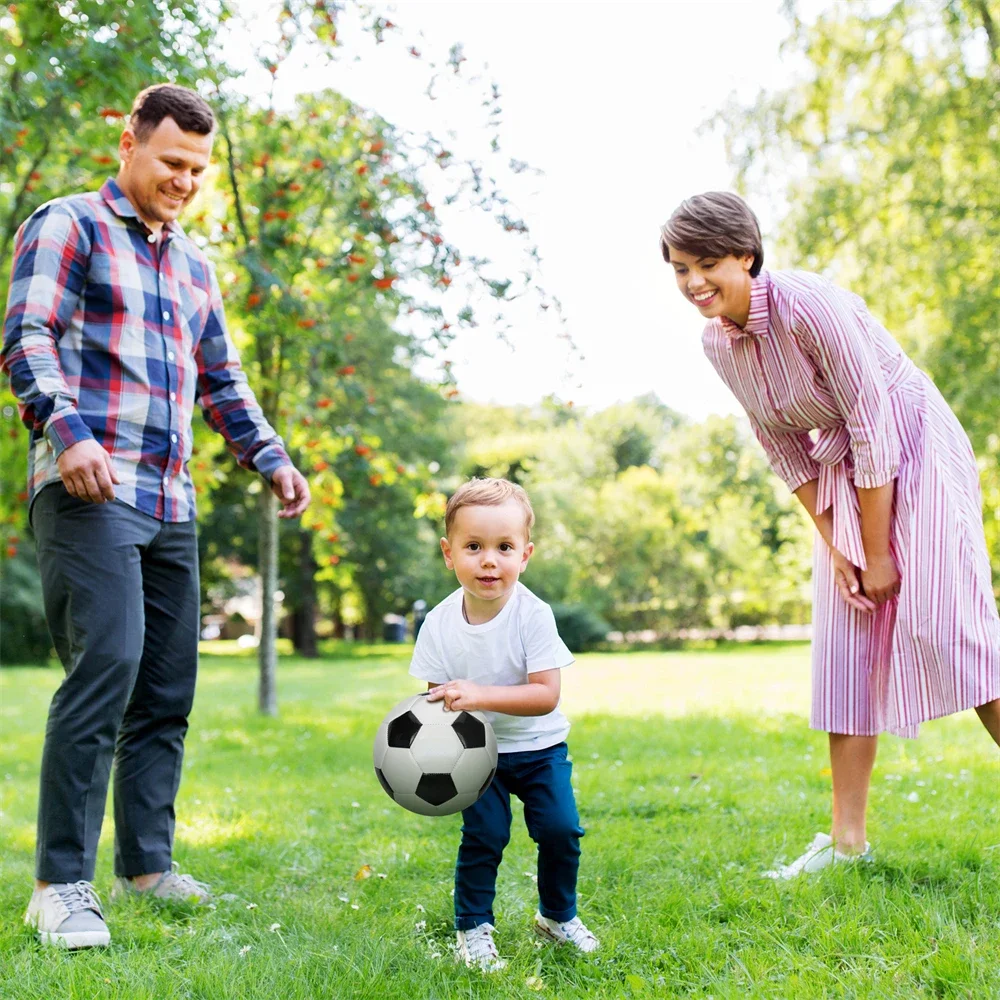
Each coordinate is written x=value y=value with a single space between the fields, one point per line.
x=787 y=452
x=837 y=338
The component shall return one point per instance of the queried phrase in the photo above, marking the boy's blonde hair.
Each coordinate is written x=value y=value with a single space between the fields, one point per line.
x=488 y=493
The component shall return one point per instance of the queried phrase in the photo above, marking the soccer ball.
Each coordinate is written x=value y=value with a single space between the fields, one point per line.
x=431 y=761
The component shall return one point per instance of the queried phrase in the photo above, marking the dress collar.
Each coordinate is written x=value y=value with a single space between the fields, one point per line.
x=119 y=204
x=757 y=320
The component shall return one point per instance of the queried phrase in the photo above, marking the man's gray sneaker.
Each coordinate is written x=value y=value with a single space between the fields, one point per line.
x=68 y=915
x=171 y=885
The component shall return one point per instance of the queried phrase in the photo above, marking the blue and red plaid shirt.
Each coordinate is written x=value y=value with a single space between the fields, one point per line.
x=114 y=335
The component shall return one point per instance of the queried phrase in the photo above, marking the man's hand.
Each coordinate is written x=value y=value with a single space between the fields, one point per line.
x=87 y=472
x=291 y=488
x=459 y=696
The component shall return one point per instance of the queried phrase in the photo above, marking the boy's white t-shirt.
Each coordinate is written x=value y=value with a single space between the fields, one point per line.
x=521 y=640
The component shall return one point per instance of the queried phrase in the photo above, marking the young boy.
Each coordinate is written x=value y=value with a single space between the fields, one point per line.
x=493 y=646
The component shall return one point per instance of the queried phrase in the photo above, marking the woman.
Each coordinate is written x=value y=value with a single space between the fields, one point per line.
x=906 y=625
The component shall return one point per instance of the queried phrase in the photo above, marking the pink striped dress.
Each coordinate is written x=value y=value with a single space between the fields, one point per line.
x=812 y=359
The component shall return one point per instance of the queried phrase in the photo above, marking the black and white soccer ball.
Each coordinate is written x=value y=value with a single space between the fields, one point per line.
x=431 y=761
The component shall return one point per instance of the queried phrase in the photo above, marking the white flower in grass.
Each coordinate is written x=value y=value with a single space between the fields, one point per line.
x=274 y=927
x=344 y=899
x=382 y=875
x=534 y=983
x=354 y=906
x=355 y=805
x=244 y=950
x=420 y=909
x=913 y=797
x=251 y=906
x=435 y=954
x=420 y=925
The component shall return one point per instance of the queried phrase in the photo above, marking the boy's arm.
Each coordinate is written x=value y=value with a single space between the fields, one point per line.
x=539 y=696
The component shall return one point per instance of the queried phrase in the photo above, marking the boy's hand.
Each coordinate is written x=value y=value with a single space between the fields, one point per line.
x=459 y=696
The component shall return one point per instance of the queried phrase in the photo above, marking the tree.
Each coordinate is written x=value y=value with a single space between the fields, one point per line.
x=686 y=527
x=322 y=230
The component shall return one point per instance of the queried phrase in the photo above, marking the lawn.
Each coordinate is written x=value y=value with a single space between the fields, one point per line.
x=694 y=770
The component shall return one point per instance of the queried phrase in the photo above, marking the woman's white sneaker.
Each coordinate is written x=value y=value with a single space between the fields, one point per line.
x=477 y=949
x=818 y=855
x=68 y=915
x=572 y=932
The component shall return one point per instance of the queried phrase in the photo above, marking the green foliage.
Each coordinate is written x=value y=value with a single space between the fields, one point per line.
x=701 y=533
x=333 y=265
x=24 y=636
x=580 y=627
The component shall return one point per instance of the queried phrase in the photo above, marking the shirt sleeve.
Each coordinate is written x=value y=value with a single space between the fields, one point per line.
x=47 y=278
x=227 y=400
x=836 y=336
x=787 y=452
x=543 y=649
x=427 y=663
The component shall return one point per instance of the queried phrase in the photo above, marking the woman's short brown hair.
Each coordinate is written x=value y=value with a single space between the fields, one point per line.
x=488 y=493
x=166 y=100
x=714 y=224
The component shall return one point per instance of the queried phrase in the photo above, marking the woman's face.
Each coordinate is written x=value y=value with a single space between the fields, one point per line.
x=718 y=286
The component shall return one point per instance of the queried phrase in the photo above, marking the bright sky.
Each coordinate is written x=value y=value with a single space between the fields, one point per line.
x=606 y=100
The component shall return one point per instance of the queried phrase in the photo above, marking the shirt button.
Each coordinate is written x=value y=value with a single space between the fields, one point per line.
x=151 y=238
x=173 y=396
x=166 y=315
x=173 y=437
x=166 y=480
x=170 y=355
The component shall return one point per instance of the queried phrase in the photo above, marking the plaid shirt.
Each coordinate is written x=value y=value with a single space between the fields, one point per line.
x=113 y=336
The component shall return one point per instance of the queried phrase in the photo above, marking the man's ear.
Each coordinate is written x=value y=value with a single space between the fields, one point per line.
x=126 y=145
x=446 y=552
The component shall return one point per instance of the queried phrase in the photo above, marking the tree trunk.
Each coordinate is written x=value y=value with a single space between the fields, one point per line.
x=304 y=615
x=267 y=564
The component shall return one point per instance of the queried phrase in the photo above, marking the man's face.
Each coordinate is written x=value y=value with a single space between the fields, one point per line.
x=161 y=175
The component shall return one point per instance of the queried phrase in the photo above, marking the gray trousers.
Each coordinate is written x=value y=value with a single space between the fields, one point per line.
x=123 y=606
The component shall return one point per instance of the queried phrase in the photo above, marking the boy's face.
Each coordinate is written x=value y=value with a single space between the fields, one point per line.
x=488 y=549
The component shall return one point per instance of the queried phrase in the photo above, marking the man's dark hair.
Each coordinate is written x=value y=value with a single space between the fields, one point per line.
x=167 y=100
x=714 y=224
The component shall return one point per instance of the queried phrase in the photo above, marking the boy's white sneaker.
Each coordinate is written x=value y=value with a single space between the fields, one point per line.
x=68 y=915
x=572 y=932
x=818 y=855
x=477 y=949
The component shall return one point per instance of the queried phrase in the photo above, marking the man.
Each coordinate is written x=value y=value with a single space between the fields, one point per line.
x=114 y=330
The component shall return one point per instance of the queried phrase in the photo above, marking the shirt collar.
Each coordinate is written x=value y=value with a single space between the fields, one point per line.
x=757 y=319
x=119 y=204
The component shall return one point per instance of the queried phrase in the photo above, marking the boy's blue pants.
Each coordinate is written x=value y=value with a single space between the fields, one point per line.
x=541 y=780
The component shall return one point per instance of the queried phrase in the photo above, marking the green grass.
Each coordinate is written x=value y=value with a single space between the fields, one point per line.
x=695 y=770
